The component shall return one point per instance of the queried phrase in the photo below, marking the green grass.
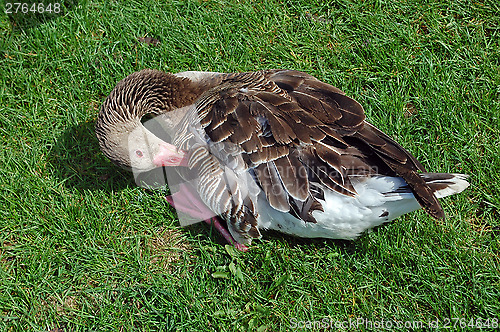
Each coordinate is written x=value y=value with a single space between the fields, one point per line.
x=83 y=248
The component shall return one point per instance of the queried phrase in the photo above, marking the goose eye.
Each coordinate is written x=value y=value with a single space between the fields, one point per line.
x=139 y=153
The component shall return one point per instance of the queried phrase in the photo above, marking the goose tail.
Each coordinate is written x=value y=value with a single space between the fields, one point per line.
x=445 y=184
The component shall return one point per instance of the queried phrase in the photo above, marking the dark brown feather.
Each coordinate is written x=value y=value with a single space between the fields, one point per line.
x=423 y=193
x=322 y=111
x=294 y=177
x=272 y=186
x=252 y=145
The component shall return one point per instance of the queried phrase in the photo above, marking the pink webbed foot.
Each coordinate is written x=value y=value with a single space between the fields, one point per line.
x=185 y=201
x=240 y=247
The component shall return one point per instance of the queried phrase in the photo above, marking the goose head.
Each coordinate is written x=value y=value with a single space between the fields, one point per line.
x=122 y=136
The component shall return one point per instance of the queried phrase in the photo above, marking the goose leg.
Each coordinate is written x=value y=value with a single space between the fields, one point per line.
x=187 y=203
x=216 y=223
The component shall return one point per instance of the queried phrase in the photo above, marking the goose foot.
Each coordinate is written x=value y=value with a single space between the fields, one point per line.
x=188 y=203
x=218 y=226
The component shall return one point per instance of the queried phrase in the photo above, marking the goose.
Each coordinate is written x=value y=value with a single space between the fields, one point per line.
x=267 y=150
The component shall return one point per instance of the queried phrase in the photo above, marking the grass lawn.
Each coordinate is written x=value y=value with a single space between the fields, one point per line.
x=83 y=248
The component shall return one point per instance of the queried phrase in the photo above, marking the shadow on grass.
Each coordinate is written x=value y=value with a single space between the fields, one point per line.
x=345 y=246
x=79 y=163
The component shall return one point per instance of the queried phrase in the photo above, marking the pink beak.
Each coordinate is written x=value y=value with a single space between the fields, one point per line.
x=168 y=155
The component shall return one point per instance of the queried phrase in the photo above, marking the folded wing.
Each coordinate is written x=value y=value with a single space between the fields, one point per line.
x=297 y=137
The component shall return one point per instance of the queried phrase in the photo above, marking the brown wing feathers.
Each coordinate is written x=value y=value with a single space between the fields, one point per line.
x=301 y=135
x=373 y=151
x=281 y=123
